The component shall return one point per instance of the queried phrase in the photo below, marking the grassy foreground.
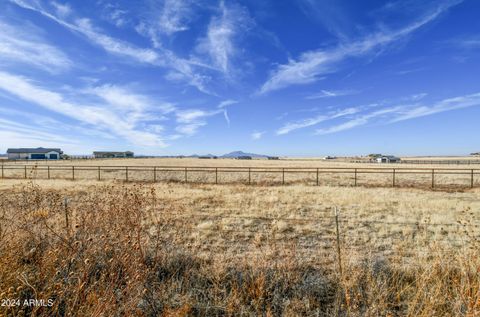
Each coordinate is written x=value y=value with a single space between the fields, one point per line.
x=126 y=250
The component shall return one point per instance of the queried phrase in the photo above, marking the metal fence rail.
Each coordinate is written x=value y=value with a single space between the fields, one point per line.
x=424 y=162
x=250 y=175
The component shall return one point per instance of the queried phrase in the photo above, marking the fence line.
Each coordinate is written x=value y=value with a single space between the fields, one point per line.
x=334 y=236
x=128 y=173
x=429 y=162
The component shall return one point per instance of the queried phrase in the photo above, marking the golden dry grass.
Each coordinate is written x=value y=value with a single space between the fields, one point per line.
x=173 y=249
x=333 y=173
x=225 y=162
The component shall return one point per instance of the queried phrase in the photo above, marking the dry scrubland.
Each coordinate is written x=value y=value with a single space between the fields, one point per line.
x=332 y=173
x=237 y=250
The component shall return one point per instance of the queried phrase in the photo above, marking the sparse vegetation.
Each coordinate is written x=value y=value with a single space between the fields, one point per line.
x=205 y=250
x=271 y=172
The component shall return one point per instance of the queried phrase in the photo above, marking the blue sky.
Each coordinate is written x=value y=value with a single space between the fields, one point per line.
x=299 y=77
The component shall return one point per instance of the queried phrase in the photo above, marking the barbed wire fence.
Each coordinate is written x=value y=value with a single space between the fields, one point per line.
x=329 y=239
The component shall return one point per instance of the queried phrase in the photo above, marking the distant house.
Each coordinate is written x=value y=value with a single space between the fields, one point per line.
x=244 y=157
x=329 y=157
x=273 y=157
x=388 y=159
x=39 y=153
x=207 y=157
x=106 y=154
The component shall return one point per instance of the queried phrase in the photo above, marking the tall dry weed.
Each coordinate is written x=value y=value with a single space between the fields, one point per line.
x=112 y=258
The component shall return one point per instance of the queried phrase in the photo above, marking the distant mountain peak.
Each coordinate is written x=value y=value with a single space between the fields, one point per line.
x=235 y=154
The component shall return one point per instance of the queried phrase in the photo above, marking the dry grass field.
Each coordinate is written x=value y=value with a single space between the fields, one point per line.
x=258 y=171
x=172 y=249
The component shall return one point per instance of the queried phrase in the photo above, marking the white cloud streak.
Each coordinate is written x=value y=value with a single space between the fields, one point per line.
x=358 y=121
x=18 y=46
x=183 y=68
x=62 y=10
x=305 y=123
x=331 y=94
x=395 y=114
x=442 y=106
x=95 y=117
x=313 y=64
x=257 y=135
x=175 y=16
x=225 y=115
x=227 y=103
x=190 y=120
x=222 y=32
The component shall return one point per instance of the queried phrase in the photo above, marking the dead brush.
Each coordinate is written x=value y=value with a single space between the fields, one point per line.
x=127 y=254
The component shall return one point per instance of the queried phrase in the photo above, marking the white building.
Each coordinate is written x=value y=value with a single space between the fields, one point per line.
x=34 y=154
x=388 y=159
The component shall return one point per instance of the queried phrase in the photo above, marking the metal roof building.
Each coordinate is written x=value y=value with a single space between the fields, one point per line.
x=39 y=153
x=107 y=154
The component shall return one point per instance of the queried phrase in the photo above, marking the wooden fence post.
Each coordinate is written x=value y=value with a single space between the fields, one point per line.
x=283 y=176
x=99 y=178
x=317 y=177
x=249 y=176
x=2 y=169
x=155 y=174
x=471 y=179
x=48 y=171
x=73 y=172
x=25 y=174
x=433 y=178
x=126 y=173
x=186 y=179
x=339 y=255
x=355 y=177
x=216 y=175
x=393 y=178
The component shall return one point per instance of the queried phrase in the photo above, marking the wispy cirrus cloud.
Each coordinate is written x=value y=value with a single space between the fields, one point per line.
x=357 y=121
x=102 y=118
x=190 y=120
x=124 y=100
x=84 y=27
x=227 y=103
x=330 y=14
x=314 y=64
x=448 y=104
x=164 y=19
x=256 y=135
x=305 y=123
x=181 y=69
x=223 y=31
x=33 y=138
x=396 y=113
x=464 y=43
x=29 y=132
x=62 y=9
x=175 y=16
x=331 y=94
x=20 y=44
x=472 y=42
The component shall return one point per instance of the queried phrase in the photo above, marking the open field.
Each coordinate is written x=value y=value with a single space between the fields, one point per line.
x=225 y=162
x=264 y=172
x=174 y=249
